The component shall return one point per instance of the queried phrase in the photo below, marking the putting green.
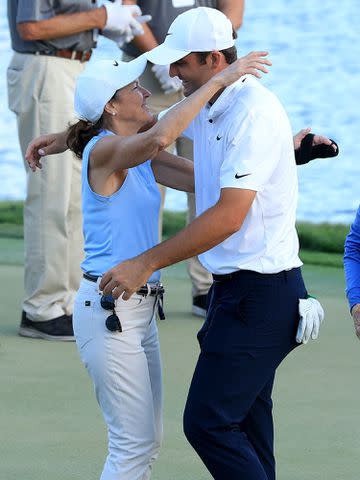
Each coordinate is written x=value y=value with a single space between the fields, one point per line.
x=51 y=427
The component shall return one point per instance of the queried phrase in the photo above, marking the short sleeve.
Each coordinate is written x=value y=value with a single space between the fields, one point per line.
x=188 y=132
x=34 y=11
x=250 y=158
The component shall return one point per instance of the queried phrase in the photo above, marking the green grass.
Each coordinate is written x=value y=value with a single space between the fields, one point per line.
x=11 y=212
x=11 y=230
x=322 y=237
x=321 y=258
x=11 y=251
x=51 y=426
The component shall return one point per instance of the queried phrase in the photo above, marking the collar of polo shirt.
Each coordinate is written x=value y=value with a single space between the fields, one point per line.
x=225 y=100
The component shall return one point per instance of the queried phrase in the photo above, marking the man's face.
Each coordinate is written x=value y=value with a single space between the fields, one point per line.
x=191 y=72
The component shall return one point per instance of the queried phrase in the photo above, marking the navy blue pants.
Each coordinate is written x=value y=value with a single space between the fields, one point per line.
x=250 y=328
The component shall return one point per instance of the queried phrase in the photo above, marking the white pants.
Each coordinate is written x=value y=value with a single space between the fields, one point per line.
x=126 y=371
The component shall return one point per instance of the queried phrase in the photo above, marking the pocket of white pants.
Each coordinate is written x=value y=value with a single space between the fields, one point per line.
x=14 y=89
x=83 y=320
x=137 y=312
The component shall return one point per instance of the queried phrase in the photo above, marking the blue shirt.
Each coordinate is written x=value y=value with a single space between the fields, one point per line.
x=352 y=262
x=122 y=225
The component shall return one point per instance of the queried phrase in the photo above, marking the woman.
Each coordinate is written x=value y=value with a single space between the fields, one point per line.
x=120 y=347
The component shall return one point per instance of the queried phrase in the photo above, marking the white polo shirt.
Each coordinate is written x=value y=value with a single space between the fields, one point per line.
x=244 y=140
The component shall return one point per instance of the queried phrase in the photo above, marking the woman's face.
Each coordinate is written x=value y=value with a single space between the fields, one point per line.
x=130 y=103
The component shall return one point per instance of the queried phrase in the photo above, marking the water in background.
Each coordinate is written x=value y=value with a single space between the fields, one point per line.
x=315 y=52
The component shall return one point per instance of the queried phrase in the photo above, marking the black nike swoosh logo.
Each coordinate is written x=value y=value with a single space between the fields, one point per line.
x=241 y=176
x=218 y=137
x=115 y=63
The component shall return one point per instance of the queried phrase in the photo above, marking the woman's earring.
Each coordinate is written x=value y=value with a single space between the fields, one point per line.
x=113 y=113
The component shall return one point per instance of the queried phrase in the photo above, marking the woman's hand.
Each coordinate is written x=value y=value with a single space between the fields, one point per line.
x=50 y=144
x=250 y=64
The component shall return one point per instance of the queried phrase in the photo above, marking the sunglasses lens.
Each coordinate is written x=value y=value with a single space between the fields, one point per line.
x=113 y=323
x=107 y=302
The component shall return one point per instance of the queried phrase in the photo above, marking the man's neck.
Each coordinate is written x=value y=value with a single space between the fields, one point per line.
x=216 y=96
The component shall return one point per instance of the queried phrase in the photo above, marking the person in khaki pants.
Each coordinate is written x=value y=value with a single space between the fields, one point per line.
x=52 y=40
x=165 y=91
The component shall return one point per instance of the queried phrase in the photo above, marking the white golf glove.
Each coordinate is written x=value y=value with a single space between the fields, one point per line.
x=168 y=84
x=121 y=25
x=311 y=317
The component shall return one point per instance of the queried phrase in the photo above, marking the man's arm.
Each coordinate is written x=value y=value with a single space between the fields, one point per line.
x=205 y=232
x=352 y=271
x=234 y=10
x=63 y=25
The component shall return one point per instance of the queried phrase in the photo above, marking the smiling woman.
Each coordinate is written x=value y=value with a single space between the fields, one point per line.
x=120 y=205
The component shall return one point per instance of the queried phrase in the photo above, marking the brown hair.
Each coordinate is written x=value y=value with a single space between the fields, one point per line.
x=79 y=134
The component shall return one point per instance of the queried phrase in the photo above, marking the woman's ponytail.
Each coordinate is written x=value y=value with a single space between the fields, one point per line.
x=80 y=134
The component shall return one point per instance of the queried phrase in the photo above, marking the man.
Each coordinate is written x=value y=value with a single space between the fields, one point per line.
x=166 y=90
x=352 y=271
x=52 y=40
x=246 y=197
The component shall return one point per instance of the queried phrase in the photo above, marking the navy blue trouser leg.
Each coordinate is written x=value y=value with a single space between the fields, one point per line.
x=249 y=330
x=259 y=428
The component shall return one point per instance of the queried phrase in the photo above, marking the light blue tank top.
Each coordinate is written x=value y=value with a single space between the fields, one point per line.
x=122 y=225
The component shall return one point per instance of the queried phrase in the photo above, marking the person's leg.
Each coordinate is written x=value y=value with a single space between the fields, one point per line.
x=152 y=352
x=250 y=328
x=52 y=210
x=118 y=366
x=258 y=421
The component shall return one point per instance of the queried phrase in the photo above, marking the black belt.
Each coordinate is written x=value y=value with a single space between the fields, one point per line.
x=145 y=290
x=250 y=273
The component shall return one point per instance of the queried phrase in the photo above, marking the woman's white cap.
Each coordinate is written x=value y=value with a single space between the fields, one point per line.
x=200 y=29
x=97 y=84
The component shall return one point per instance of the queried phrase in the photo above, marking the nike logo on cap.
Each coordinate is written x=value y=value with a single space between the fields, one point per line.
x=218 y=137
x=115 y=63
x=241 y=176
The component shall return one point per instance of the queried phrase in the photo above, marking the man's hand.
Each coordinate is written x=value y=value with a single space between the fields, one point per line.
x=45 y=145
x=126 y=278
x=168 y=84
x=355 y=313
x=123 y=22
x=311 y=317
x=317 y=140
x=309 y=146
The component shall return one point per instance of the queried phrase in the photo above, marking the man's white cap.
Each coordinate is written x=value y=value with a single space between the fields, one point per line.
x=196 y=30
x=97 y=84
